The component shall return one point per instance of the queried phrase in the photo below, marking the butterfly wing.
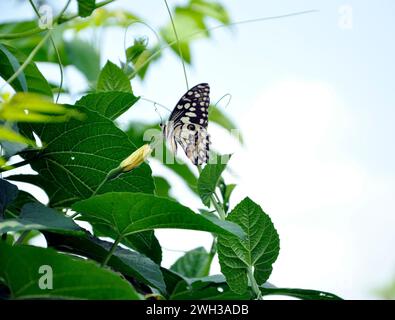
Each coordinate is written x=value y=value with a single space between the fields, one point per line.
x=187 y=123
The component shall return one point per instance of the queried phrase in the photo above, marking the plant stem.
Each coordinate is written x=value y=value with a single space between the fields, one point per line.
x=254 y=284
x=22 y=237
x=218 y=207
x=178 y=44
x=58 y=20
x=29 y=58
x=112 y=174
x=110 y=253
x=206 y=270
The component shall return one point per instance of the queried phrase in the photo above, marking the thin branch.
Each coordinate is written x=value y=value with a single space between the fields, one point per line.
x=178 y=44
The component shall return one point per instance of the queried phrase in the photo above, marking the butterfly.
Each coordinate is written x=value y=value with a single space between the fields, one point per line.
x=187 y=124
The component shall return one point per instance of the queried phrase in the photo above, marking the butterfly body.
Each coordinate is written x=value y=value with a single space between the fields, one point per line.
x=187 y=124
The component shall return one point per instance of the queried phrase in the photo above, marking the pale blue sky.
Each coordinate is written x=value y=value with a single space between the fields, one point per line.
x=316 y=104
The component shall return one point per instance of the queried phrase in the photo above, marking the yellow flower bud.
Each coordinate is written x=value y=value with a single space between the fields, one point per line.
x=136 y=158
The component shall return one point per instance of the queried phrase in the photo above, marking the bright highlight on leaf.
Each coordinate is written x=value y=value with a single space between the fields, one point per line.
x=31 y=107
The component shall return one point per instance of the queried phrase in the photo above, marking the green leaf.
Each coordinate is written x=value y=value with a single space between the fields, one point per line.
x=8 y=192
x=22 y=269
x=187 y=23
x=134 y=52
x=162 y=187
x=11 y=148
x=127 y=262
x=127 y=213
x=304 y=294
x=192 y=264
x=257 y=252
x=215 y=288
x=144 y=242
x=173 y=281
x=211 y=9
x=209 y=178
x=15 y=207
x=208 y=288
x=34 y=79
x=77 y=157
x=217 y=116
x=9 y=135
x=84 y=56
x=109 y=104
x=226 y=192
x=86 y=7
x=112 y=78
x=32 y=107
x=5 y=54
x=35 y=216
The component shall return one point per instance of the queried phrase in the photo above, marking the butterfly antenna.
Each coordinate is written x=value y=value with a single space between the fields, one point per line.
x=228 y=95
x=157 y=111
x=155 y=103
x=178 y=44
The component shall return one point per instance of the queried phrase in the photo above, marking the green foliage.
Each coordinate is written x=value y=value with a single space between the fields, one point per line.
x=210 y=177
x=30 y=80
x=256 y=253
x=80 y=154
x=112 y=78
x=129 y=263
x=84 y=56
x=75 y=150
x=72 y=278
x=86 y=7
x=135 y=212
x=35 y=216
x=192 y=264
x=109 y=104
x=8 y=192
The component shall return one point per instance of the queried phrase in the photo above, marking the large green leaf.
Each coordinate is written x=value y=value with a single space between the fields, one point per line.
x=129 y=263
x=127 y=213
x=8 y=192
x=192 y=264
x=256 y=253
x=109 y=104
x=32 y=76
x=77 y=157
x=22 y=269
x=136 y=132
x=112 y=78
x=35 y=216
x=209 y=178
x=86 y=7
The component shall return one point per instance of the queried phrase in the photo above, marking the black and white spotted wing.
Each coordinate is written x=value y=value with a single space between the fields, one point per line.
x=187 y=124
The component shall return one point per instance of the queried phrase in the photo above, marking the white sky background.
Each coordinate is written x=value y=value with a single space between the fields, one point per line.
x=315 y=104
